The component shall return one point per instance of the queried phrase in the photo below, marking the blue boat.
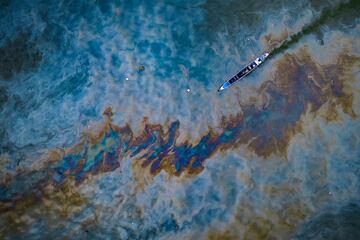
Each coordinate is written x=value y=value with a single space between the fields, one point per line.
x=245 y=71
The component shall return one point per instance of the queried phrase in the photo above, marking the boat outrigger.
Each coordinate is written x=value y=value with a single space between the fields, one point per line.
x=245 y=71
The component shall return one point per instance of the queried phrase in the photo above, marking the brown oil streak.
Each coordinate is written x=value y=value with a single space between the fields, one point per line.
x=271 y=40
x=271 y=224
x=320 y=84
x=54 y=204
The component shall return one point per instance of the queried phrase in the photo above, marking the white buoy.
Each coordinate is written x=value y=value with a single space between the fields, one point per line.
x=127 y=79
x=188 y=90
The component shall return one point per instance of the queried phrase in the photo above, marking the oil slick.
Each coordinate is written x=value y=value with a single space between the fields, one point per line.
x=279 y=156
x=265 y=131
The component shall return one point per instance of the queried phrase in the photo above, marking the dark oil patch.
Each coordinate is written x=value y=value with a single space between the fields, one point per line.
x=18 y=55
x=332 y=223
x=4 y=3
x=342 y=12
x=3 y=97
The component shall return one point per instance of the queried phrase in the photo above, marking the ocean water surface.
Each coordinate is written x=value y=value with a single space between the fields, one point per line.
x=111 y=126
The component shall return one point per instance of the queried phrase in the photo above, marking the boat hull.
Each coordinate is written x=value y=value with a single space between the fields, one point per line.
x=244 y=72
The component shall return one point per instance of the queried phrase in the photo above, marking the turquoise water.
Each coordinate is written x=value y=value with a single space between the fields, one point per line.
x=112 y=126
